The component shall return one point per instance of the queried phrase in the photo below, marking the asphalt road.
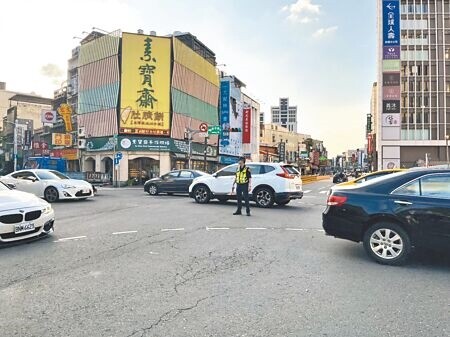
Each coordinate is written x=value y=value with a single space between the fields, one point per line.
x=127 y=264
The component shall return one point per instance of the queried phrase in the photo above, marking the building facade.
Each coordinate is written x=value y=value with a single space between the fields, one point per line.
x=279 y=144
x=413 y=82
x=22 y=118
x=285 y=115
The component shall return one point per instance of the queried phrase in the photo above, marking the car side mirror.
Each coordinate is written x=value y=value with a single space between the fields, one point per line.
x=215 y=175
x=11 y=186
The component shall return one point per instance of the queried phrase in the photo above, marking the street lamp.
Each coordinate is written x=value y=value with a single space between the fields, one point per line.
x=190 y=133
x=447 y=137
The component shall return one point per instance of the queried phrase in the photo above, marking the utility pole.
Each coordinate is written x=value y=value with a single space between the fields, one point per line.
x=15 y=145
x=447 y=137
x=205 y=162
x=189 y=133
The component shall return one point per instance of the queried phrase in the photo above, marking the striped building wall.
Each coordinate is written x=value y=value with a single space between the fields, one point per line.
x=195 y=92
x=98 y=84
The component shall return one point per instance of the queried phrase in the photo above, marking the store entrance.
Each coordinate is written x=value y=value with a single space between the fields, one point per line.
x=141 y=169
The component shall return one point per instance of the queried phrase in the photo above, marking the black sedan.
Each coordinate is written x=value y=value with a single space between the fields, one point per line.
x=393 y=214
x=172 y=182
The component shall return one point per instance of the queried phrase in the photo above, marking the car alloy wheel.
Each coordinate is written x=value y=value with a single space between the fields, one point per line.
x=387 y=243
x=202 y=194
x=51 y=194
x=264 y=198
x=152 y=189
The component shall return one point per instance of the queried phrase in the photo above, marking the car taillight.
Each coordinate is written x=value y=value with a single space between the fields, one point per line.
x=336 y=200
x=285 y=174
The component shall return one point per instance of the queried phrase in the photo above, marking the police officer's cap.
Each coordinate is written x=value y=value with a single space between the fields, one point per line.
x=242 y=158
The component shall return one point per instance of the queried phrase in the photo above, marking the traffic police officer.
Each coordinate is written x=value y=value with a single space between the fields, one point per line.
x=243 y=181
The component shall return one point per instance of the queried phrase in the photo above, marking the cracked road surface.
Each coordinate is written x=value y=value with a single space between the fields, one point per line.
x=127 y=264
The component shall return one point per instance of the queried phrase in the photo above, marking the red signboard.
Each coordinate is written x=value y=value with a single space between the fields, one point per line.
x=40 y=149
x=246 y=128
x=369 y=144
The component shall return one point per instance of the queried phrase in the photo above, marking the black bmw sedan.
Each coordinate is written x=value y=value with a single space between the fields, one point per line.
x=393 y=214
x=173 y=182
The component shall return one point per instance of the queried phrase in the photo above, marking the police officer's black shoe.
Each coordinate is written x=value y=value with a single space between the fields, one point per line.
x=248 y=214
x=237 y=213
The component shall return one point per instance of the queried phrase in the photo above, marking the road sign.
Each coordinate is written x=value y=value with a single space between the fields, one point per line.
x=119 y=155
x=203 y=127
x=214 y=130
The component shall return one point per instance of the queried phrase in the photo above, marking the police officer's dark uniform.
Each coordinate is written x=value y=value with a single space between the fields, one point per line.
x=243 y=182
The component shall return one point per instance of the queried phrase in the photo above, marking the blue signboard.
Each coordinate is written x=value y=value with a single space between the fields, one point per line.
x=391 y=23
x=225 y=113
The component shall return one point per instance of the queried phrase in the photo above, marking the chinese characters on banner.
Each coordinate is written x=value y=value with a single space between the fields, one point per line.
x=145 y=100
x=40 y=149
x=65 y=111
x=391 y=69
x=62 y=139
x=225 y=113
x=246 y=134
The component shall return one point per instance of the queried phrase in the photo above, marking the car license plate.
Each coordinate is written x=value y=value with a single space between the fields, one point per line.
x=298 y=187
x=23 y=228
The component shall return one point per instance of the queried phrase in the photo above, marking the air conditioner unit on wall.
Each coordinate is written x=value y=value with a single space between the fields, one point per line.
x=81 y=132
x=81 y=144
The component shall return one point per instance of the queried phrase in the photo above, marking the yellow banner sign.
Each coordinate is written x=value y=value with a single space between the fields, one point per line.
x=145 y=86
x=62 y=139
x=65 y=111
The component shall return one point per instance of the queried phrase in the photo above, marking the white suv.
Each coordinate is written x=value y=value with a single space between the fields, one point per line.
x=271 y=182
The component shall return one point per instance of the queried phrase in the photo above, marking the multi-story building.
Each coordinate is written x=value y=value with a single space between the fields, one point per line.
x=277 y=143
x=414 y=82
x=168 y=89
x=22 y=117
x=285 y=115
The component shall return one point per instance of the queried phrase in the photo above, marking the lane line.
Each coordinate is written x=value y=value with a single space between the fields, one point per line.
x=307 y=191
x=126 y=232
x=320 y=230
x=323 y=192
x=255 y=228
x=295 y=229
x=171 y=229
x=71 y=238
x=217 y=228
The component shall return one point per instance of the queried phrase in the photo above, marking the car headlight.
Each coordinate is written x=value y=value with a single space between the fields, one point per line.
x=47 y=209
x=67 y=186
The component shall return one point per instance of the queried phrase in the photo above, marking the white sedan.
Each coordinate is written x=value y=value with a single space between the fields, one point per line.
x=23 y=215
x=49 y=184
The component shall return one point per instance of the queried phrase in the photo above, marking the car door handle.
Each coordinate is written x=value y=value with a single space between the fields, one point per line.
x=403 y=203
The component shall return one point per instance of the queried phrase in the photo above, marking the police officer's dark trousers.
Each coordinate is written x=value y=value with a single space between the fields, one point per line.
x=242 y=192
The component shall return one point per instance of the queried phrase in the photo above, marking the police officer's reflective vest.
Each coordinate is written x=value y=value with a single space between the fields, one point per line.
x=241 y=176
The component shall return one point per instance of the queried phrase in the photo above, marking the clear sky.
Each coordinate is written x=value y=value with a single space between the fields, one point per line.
x=319 y=53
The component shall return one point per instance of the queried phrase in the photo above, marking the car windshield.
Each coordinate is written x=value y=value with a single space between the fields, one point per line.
x=51 y=175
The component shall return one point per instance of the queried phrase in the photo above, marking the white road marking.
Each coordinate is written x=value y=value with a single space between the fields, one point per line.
x=171 y=229
x=307 y=191
x=255 y=228
x=295 y=229
x=72 y=238
x=323 y=192
x=126 y=232
x=154 y=253
x=217 y=228
x=320 y=230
